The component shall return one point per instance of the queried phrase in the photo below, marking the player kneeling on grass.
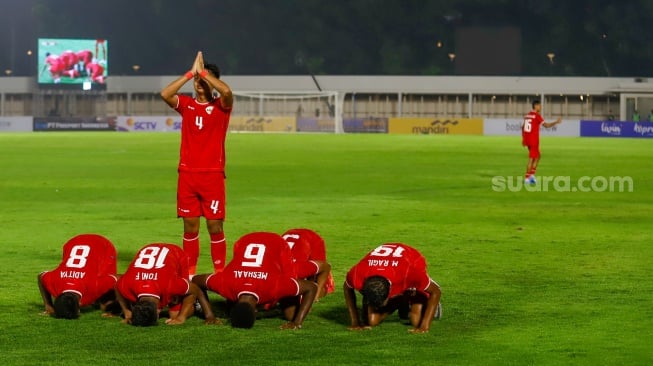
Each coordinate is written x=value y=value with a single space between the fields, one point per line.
x=261 y=273
x=85 y=276
x=155 y=279
x=309 y=259
x=392 y=277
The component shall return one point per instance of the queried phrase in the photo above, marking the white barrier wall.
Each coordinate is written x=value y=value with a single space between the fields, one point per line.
x=148 y=123
x=16 y=124
x=512 y=127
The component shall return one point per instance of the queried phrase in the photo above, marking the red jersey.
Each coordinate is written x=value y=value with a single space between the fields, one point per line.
x=88 y=268
x=85 y=56
x=159 y=270
x=399 y=263
x=305 y=244
x=69 y=59
x=203 y=132
x=261 y=266
x=95 y=71
x=57 y=65
x=531 y=128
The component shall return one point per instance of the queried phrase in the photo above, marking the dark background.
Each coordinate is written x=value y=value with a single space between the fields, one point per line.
x=343 y=37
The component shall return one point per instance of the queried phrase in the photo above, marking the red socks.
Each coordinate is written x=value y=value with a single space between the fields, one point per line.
x=218 y=251
x=530 y=172
x=192 y=249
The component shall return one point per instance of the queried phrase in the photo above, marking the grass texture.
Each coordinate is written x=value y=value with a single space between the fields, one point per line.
x=529 y=277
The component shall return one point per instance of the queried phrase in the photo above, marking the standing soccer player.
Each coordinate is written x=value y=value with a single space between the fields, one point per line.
x=392 y=277
x=87 y=274
x=201 y=181
x=531 y=139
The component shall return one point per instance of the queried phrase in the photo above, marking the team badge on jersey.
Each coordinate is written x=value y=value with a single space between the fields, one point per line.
x=209 y=109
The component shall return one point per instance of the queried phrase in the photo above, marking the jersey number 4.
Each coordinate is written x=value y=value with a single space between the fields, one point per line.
x=199 y=122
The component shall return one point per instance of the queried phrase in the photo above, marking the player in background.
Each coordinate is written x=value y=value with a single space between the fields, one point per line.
x=85 y=276
x=84 y=57
x=201 y=180
x=260 y=273
x=309 y=259
x=531 y=139
x=100 y=45
x=157 y=278
x=56 y=67
x=392 y=277
x=69 y=59
x=95 y=72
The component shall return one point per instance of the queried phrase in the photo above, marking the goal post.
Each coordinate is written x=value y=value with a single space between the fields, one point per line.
x=283 y=111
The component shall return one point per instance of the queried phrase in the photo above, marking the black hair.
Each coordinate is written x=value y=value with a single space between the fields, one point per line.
x=66 y=306
x=375 y=291
x=214 y=69
x=144 y=313
x=534 y=103
x=243 y=315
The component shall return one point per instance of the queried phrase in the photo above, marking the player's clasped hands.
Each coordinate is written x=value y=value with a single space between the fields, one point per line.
x=198 y=64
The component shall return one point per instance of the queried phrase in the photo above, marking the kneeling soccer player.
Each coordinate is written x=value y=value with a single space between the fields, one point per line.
x=392 y=277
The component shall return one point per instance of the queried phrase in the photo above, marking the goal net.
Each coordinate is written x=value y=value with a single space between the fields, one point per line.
x=287 y=112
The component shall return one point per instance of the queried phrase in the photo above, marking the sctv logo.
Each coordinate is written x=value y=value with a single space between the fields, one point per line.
x=141 y=125
x=145 y=125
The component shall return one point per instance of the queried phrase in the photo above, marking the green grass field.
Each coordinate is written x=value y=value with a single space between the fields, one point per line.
x=528 y=278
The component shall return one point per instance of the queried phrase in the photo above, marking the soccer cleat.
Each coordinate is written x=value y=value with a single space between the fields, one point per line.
x=438 y=312
x=532 y=180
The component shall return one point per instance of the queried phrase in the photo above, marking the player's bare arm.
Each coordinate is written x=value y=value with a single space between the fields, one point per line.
x=551 y=124
x=126 y=311
x=307 y=293
x=187 y=307
x=169 y=93
x=47 y=298
x=431 y=305
x=324 y=268
x=209 y=317
x=350 y=300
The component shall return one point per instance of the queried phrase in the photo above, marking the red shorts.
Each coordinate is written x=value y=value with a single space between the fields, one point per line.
x=201 y=194
x=533 y=151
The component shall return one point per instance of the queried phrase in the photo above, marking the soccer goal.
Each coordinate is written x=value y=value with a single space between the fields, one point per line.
x=274 y=111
